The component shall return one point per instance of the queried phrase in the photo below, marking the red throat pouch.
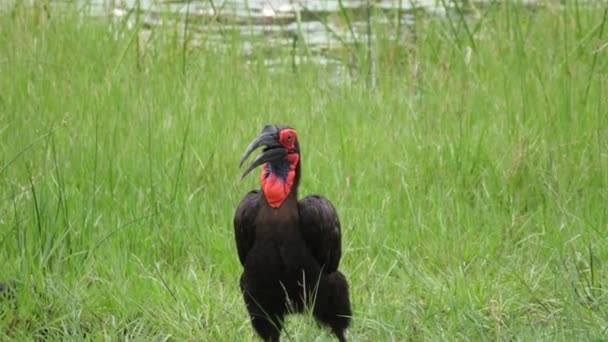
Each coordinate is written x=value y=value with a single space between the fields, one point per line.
x=275 y=188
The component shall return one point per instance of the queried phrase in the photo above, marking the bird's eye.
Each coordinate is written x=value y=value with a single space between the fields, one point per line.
x=288 y=138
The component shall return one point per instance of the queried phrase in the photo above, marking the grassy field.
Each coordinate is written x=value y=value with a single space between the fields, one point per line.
x=472 y=182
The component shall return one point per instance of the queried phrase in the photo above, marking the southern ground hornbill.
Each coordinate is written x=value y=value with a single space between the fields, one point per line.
x=289 y=249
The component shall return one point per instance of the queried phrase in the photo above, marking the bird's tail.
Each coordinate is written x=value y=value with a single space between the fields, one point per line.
x=332 y=302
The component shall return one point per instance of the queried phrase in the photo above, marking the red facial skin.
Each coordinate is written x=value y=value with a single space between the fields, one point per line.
x=287 y=138
x=275 y=188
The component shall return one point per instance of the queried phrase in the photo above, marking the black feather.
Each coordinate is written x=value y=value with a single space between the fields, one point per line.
x=290 y=257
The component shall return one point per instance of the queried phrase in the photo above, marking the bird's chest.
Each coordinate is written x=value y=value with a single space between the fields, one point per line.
x=278 y=223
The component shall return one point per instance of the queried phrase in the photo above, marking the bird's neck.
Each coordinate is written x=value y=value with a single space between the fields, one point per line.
x=280 y=179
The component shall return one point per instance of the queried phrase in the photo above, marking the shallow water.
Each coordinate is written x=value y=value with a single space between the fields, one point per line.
x=316 y=27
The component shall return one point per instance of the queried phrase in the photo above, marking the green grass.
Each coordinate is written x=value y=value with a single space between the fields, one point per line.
x=472 y=191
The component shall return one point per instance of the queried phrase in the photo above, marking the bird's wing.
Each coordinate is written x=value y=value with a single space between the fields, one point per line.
x=244 y=223
x=320 y=227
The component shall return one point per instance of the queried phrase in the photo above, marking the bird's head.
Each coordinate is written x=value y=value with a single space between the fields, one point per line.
x=280 y=160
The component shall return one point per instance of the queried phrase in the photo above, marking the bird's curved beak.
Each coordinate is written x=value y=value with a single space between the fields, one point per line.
x=273 y=151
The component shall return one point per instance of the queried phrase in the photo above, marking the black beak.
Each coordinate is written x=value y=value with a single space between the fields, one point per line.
x=273 y=151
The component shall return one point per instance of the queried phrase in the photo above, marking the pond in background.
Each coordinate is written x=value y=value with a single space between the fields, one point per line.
x=320 y=29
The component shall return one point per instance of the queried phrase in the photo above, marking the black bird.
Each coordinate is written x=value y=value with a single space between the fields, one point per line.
x=290 y=250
